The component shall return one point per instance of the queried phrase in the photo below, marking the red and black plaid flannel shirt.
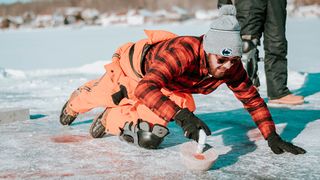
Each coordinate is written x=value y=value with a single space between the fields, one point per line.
x=179 y=64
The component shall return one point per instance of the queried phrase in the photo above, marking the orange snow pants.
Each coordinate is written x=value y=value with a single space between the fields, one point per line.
x=98 y=93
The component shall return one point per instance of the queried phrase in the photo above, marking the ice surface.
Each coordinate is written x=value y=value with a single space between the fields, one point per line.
x=40 y=148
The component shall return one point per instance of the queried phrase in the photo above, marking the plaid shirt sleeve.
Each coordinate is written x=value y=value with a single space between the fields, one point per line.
x=243 y=89
x=167 y=64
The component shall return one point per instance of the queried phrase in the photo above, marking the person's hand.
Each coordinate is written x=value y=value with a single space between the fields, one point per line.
x=279 y=146
x=223 y=2
x=191 y=124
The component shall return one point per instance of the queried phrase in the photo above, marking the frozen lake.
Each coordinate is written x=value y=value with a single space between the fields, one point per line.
x=45 y=66
x=70 y=47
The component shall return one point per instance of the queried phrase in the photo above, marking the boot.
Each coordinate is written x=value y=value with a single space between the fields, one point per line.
x=289 y=99
x=97 y=130
x=67 y=115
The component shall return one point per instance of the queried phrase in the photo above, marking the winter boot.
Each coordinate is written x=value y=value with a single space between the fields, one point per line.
x=97 y=130
x=67 y=115
x=288 y=100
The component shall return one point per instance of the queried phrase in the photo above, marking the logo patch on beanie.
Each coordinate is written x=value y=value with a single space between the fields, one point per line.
x=226 y=52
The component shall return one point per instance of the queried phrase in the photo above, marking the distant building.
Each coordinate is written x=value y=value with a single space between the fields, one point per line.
x=90 y=16
x=4 y=23
x=43 y=21
x=28 y=17
x=11 y=22
x=135 y=18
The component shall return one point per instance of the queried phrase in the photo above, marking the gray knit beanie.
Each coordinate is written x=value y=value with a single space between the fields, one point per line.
x=223 y=38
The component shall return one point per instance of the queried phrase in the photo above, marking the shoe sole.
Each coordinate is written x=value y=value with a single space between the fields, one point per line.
x=63 y=121
x=286 y=102
x=97 y=132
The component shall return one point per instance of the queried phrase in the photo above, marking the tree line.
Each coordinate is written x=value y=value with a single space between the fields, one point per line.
x=49 y=6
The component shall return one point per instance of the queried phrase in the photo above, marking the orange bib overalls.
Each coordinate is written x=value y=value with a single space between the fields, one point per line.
x=124 y=72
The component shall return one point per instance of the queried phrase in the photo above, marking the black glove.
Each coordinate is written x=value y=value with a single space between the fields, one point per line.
x=278 y=146
x=223 y=2
x=191 y=124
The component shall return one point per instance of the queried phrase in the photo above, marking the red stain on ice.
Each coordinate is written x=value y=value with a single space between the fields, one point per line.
x=7 y=176
x=199 y=156
x=69 y=138
x=47 y=175
x=67 y=174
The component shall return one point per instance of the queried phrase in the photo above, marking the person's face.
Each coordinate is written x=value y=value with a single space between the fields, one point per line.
x=219 y=65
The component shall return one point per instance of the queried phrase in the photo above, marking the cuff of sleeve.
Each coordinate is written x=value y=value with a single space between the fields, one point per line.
x=267 y=129
x=170 y=116
x=167 y=112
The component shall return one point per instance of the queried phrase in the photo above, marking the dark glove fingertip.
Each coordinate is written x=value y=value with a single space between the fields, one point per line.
x=205 y=128
x=208 y=132
x=197 y=137
x=301 y=151
x=277 y=150
x=294 y=151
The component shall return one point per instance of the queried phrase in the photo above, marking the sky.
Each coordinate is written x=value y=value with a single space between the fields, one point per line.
x=12 y=1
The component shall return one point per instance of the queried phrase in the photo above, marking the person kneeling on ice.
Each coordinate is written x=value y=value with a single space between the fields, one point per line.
x=150 y=83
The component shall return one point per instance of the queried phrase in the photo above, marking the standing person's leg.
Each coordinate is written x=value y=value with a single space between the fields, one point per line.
x=251 y=16
x=276 y=46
